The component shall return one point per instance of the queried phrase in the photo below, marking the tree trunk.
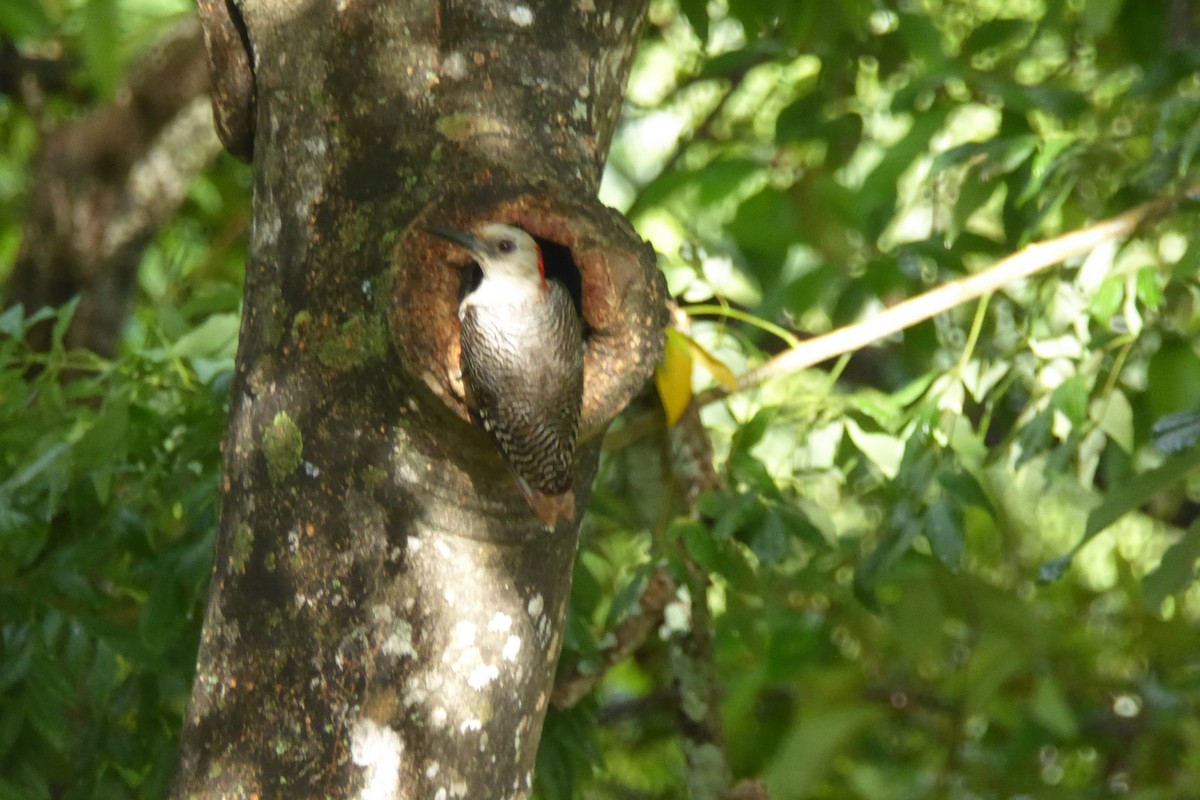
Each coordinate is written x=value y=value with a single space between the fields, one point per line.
x=386 y=611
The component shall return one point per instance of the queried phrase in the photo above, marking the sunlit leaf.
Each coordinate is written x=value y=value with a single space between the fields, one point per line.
x=1137 y=491
x=1176 y=571
x=673 y=376
x=713 y=365
x=884 y=450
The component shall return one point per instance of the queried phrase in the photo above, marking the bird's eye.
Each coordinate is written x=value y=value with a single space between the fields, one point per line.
x=506 y=245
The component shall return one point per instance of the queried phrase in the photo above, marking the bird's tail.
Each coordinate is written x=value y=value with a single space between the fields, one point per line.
x=549 y=508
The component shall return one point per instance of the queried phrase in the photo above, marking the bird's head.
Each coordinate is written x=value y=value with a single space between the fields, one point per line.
x=502 y=251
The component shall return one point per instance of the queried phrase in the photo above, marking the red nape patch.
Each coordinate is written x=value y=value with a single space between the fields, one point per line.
x=542 y=268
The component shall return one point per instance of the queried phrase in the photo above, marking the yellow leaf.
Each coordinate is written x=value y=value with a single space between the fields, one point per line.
x=674 y=376
x=715 y=366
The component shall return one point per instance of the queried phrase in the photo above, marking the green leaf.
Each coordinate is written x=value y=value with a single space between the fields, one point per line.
x=12 y=722
x=745 y=509
x=723 y=178
x=1099 y=15
x=46 y=710
x=798 y=524
x=801 y=119
x=812 y=748
x=765 y=223
x=103 y=447
x=1176 y=572
x=769 y=540
x=101 y=42
x=996 y=33
x=973 y=193
x=944 y=531
x=876 y=564
x=751 y=433
x=217 y=335
x=993 y=158
x=700 y=542
x=736 y=63
x=746 y=469
x=568 y=748
x=1071 y=398
x=923 y=38
x=696 y=12
x=842 y=136
x=883 y=450
x=12 y=321
x=62 y=322
x=24 y=19
x=1114 y=416
x=1173 y=378
x=1049 y=708
x=1129 y=496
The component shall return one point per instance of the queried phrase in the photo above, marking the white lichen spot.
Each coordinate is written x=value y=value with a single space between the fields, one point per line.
x=512 y=646
x=342 y=5
x=500 y=623
x=442 y=548
x=414 y=544
x=463 y=634
x=535 y=606
x=405 y=472
x=482 y=675
x=366 y=284
x=414 y=695
x=438 y=716
x=454 y=65
x=677 y=616
x=311 y=469
x=458 y=789
x=472 y=724
x=440 y=794
x=377 y=749
x=579 y=111
x=400 y=642
x=432 y=770
x=521 y=15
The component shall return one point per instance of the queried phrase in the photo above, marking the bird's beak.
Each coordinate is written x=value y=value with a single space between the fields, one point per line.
x=469 y=242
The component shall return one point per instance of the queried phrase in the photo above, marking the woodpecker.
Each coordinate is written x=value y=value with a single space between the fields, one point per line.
x=522 y=363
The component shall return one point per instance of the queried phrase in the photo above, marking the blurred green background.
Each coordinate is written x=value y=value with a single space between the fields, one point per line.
x=959 y=563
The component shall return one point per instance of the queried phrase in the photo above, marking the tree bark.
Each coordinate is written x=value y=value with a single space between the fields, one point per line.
x=386 y=611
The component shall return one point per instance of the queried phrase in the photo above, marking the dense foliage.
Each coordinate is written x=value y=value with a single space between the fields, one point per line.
x=957 y=563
